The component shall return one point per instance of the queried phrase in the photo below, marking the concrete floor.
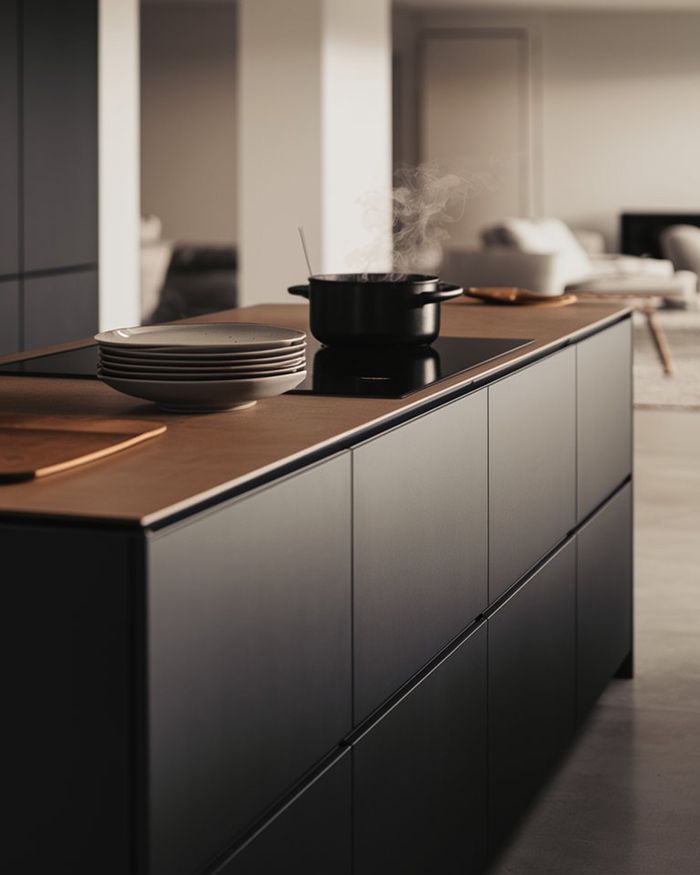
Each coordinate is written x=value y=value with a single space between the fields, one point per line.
x=626 y=801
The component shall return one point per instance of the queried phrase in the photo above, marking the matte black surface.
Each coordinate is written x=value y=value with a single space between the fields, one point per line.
x=79 y=363
x=532 y=674
x=420 y=774
x=395 y=373
x=420 y=544
x=375 y=309
x=604 y=596
x=60 y=308
x=310 y=836
x=60 y=134
x=65 y=774
x=9 y=317
x=249 y=659
x=9 y=133
x=604 y=393
x=532 y=466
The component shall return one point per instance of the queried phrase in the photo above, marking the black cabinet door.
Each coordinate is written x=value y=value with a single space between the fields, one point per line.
x=9 y=317
x=420 y=774
x=248 y=643
x=604 y=391
x=60 y=308
x=420 y=544
x=604 y=596
x=9 y=122
x=532 y=466
x=312 y=835
x=531 y=687
x=59 y=133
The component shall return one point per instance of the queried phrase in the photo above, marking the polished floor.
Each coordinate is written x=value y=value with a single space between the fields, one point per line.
x=626 y=801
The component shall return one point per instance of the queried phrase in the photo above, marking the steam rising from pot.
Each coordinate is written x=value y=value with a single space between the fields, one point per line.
x=424 y=202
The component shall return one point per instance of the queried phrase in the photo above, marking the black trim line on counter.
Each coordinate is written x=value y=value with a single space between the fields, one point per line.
x=51 y=271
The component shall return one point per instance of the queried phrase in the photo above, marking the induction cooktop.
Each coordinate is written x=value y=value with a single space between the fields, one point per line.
x=380 y=373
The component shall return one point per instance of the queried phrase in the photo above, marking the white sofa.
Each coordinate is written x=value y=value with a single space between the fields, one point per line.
x=545 y=256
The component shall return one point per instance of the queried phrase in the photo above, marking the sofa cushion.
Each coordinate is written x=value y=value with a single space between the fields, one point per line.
x=543 y=236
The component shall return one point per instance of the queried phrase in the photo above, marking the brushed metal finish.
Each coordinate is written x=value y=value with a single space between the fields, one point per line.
x=9 y=164
x=420 y=774
x=60 y=134
x=604 y=596
x=248 y=659
x=532 y=672
x=420 y=544
x=66 y=686
x=532 y=466
x=604 y=430
x=312 y=835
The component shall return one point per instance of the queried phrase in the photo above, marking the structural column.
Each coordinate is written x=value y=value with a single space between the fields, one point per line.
x=314 y=140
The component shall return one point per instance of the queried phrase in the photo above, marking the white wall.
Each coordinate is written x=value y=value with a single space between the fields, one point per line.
x=613 y=98
x=118 y=170
x=188 y=118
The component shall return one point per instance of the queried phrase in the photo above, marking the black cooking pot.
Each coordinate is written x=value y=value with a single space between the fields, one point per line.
x=375 y=309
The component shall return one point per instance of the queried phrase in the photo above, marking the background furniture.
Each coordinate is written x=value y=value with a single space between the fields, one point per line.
x=48 y=172
x=681 y=245
x=642 y=233
x=544 y=255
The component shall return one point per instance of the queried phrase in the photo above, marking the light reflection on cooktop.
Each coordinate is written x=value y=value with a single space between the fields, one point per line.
x=373 y=373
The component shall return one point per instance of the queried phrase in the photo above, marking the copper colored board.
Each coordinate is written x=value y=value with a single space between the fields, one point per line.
x=202 y=457
x=519 y=297
x=35 y=446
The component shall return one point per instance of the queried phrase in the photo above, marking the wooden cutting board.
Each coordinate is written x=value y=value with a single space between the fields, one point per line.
x=35 y=446
x=521 y=297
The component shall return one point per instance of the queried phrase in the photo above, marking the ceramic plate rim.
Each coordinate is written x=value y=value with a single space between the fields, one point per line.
x=112 y=338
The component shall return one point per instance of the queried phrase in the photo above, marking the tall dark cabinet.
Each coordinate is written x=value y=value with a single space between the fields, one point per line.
x=48 y=171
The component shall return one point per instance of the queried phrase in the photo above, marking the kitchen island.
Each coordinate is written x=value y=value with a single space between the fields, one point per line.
x=322 y=635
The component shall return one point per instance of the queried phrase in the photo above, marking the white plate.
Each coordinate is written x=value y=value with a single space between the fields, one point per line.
x=220 y=336
x=141 y=357
x=207 y=397
x=199 y=376
x=195 y=368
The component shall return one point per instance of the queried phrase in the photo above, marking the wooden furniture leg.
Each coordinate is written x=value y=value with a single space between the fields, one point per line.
x=659 y=338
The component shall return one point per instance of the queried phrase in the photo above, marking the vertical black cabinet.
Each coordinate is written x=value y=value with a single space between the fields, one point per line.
x=59 y=133
x=59 y=308
x=420 y=774
x=604 y=596
x=532 y=466
x=248 y=659
x=9 y=317
x=419 y=496
x=9 y=139
x=532 y=672
x=311 y=835
x=604 y=392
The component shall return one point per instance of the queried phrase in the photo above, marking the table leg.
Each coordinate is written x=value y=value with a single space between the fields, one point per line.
x=659 y=338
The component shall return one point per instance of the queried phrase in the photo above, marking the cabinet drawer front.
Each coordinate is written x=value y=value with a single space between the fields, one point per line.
x=604 y=596
x=9 y=317
x=420 y=497
x=531 y=687
x=420 y=774
x=9 y=165
x=532 y=467
x=312 y=835
x=248 y=659
x=604 y=392
x=59 y=308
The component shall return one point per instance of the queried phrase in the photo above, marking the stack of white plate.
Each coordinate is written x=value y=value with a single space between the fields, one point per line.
x=202 y=368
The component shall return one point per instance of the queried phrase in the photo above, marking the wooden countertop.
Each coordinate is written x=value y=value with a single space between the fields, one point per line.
x=202 y=458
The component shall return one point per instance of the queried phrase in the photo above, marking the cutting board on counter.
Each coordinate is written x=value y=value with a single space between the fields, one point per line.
x=36 y=446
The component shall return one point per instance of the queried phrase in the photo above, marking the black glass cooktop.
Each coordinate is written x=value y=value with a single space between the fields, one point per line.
x=380 y=373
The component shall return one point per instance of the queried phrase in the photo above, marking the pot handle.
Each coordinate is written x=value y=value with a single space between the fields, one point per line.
x=444 y=292
x=302 y=291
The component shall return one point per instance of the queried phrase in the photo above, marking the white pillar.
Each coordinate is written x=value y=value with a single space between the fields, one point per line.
x=314 y=140
x=118 y=174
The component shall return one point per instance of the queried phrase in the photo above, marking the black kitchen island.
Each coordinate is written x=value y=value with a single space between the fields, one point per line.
x=324 y=635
